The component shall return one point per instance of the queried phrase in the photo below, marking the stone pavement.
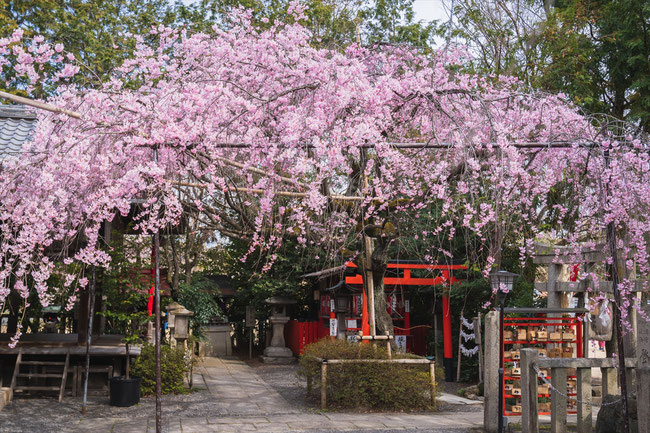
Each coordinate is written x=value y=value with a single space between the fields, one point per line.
x=250 y=404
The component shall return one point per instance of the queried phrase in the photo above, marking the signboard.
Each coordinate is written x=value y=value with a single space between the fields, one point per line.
x=334 y=327
x=331 y=305
x=352 y=339
x=407 y=306
x=400 y=342
x=250 y=316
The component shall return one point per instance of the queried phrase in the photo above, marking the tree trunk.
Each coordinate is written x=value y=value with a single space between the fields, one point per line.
x=379 y=260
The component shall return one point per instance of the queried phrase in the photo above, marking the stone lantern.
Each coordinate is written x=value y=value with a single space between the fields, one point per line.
x=178 y=321
x=277 y=352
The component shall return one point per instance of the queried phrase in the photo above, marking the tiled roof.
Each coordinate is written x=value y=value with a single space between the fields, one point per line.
x=16 y=128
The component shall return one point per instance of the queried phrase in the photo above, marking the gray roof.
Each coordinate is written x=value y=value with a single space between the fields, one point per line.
x=16 y=127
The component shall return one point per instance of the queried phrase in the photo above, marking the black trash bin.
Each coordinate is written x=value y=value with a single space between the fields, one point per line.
x=125 y=392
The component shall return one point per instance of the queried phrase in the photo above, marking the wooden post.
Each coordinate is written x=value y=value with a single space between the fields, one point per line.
x=91 y=307
x=477 y=332
x=584 y=395
x=558 y=402
x=460 y=328
x=529 y=421
x=323 y=386
x=432 y=372
x=388 y=346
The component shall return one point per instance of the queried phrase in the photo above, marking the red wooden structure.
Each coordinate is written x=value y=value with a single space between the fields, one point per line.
x=299 y=334
x=348 y=299
x=550 y=324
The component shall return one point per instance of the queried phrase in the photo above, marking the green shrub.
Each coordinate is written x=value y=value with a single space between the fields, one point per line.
x=173 y=368
x=403 y=387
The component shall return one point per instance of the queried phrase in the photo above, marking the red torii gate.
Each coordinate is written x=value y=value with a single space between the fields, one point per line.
x=446 y=277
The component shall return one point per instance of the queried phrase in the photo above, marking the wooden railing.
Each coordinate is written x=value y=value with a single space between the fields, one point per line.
x=531 y=362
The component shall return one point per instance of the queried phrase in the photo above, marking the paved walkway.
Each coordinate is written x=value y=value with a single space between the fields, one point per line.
x=250 y=404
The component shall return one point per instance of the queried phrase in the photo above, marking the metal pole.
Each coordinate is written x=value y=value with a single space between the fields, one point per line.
x=501 y=423
x=156 y=252
x=90 y=333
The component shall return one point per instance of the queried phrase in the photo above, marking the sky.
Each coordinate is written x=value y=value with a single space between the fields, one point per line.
x=425 y=10
x=430 y=10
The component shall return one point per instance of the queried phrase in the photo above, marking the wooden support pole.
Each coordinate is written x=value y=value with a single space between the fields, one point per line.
x=584 y=395
x=460 y=342
x=323 y=386
x=477 y=332
x=156 y=251
x=389 y=349
x=40 y=105
x=91 y=300
x=432 y=373
x=558 y=402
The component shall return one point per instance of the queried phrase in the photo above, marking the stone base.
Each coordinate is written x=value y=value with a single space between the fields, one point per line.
x=277 y=360
x=278 y=352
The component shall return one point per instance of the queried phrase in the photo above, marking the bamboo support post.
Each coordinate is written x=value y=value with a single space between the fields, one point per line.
x=323 y=386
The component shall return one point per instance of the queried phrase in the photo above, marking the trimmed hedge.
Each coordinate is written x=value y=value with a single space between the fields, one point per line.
x=173 y=368
x=403 y=387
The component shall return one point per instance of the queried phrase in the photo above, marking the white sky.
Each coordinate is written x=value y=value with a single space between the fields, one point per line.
x=425 y=10
x=430 y=10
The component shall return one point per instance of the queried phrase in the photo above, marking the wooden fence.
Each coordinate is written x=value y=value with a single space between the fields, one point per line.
x=531 y=363
x=299 y=334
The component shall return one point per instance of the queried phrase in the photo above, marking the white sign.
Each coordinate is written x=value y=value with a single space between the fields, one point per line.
x=353 y=339
x=334 y=327
x=331 y=305
x=400 y=341
x=351 y=323
x=393 y=303
x=407 y=306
